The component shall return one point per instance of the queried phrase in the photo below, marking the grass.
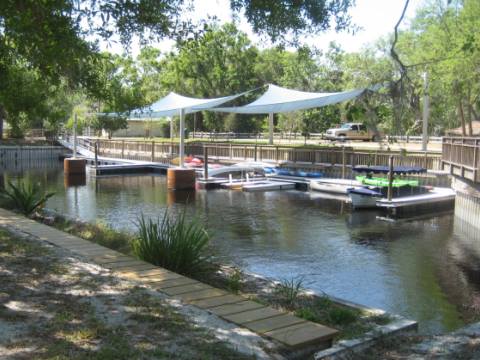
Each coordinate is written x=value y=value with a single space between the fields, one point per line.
x=289 y=290
x=99 y=233
x=234 y=281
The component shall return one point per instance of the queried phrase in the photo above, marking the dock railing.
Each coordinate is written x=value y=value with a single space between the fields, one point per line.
x=164 y=152
x=461 y=157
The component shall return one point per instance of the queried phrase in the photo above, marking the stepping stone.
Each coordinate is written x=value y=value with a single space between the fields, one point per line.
x=141 y=274
x=92 y=251
x=274 y=323
x=217 y=301
x=133 y=267
x=230 y=309
x=202 y=294
x=185 y=289
x=303 y=334
x=109 y=259
x=252 y=315
x=158 y=274
x=168 y=283
x=86 y=247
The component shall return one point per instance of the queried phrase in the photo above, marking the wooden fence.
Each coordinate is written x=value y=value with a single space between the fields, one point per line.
x=460 y=156
x=164 y=152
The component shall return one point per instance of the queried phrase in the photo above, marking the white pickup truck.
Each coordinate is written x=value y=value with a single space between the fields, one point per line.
x=351 y=131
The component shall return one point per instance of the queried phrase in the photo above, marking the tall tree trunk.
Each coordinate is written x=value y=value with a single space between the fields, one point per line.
x=2 y=119
x=462 y=117
x=469 y=113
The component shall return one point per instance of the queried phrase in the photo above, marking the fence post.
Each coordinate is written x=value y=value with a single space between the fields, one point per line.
x=153 y=151
x=231 y=155
x=343 y=162
x=276 y=154
x=245 y=152
x=255 y=154
x=123 y=149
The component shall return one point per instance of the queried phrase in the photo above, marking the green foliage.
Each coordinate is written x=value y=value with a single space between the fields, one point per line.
x=289 y=290
x=278 y=18
x=174 y=244
x=234 y=281
x=324 y=311
x=26 y=197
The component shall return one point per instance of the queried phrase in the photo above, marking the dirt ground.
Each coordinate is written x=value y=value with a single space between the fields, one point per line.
x=56 y=306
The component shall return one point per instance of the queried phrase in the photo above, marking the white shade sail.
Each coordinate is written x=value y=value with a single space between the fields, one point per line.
x=171 y=105
x=278 y=100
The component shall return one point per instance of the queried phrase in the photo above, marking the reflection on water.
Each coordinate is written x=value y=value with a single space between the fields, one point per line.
x=427 y=269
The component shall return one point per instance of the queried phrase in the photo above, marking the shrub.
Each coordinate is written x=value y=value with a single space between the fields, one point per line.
x=174 y=244
x=289 y=290
x=25 y=197
x=234 y=281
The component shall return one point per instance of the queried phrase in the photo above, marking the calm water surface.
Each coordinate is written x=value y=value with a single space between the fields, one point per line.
x=427 y=269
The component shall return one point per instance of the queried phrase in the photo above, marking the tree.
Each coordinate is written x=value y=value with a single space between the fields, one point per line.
x=219 y=62
x=55 y=37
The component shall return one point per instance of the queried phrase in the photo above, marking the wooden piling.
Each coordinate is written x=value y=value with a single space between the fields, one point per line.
x=205 y=162
x=390 y=178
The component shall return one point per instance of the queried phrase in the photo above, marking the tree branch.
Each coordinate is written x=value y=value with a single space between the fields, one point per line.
x=393 y=52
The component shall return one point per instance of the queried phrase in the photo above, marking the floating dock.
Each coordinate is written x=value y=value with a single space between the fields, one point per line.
x=119 y=169
x=435 y=200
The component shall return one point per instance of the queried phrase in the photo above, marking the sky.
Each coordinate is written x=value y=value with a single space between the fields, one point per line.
x=375 y=18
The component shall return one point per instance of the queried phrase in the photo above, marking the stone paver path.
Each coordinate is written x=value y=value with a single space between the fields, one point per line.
x=264 y=320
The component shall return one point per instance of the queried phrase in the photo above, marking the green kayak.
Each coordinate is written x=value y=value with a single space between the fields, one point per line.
x=383 y=182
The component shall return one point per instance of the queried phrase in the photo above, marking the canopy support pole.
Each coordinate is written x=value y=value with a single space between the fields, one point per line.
x=171 y=127
x=182 y=138
x=270 y=129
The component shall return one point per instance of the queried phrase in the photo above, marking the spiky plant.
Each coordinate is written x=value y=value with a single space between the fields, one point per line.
x=25 y=196
x=174 y=244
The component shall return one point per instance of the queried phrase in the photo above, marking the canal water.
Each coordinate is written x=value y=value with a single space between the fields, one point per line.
x=425 y=269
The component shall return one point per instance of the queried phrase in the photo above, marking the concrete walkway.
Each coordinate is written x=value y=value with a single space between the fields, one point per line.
x=291 y=331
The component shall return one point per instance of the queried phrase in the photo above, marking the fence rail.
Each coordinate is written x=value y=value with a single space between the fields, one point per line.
x=164 y=152
x=461 y=157
x=296 y=136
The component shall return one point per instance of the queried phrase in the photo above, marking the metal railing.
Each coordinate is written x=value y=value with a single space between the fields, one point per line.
x=460 y=156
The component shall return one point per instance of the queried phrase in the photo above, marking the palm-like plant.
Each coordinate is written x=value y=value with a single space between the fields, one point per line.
x=174 y=244
x=25 y=197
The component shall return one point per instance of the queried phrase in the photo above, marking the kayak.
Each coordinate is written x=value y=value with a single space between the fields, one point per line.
x=383 y=182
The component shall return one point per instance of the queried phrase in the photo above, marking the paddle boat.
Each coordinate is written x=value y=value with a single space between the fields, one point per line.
x=373 y=189
x=293 y=173
x=333 y=186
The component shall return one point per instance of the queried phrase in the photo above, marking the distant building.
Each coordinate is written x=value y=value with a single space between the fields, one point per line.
x=458 y=131
x=142 y=128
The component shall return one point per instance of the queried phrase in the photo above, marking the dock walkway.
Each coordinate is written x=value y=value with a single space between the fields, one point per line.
x=285 y=328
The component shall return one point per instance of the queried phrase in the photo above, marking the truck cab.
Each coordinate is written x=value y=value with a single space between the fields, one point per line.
x=351 y=131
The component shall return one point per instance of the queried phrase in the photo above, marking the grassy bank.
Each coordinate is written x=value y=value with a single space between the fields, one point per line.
x=55 y=307
x=287 y=295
